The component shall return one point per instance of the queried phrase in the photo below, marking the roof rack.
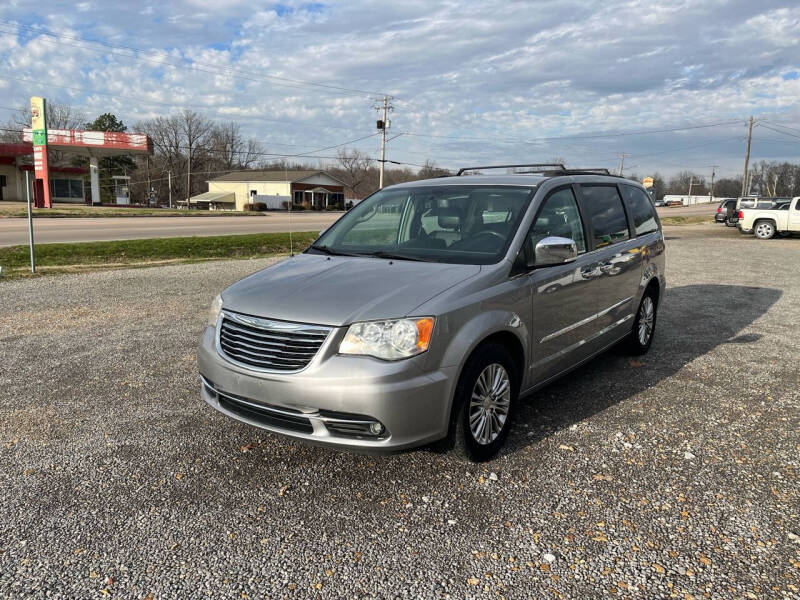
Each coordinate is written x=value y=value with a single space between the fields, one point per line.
x=545 y=169
x=539 y=166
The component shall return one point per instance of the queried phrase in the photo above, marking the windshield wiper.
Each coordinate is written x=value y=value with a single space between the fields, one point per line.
x=396 y=256
x=332 y=252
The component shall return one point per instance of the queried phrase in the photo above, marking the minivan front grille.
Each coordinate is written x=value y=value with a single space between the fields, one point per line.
x=269 y=345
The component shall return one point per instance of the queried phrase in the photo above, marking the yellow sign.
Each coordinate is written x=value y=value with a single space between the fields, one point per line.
x=647 y=182
x=38 y=121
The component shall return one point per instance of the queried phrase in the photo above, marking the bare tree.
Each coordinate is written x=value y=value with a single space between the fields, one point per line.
x=229 y=150
x=354 y=167
x=430 y=170
x=195 y=129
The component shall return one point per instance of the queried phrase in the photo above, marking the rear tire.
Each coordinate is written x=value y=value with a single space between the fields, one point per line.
x=764 y=230
x=484 y=402
x=644 y=324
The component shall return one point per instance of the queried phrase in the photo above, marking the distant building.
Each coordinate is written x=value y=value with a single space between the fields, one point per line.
x=66 y=183
x=311 y=189
x=687 y=200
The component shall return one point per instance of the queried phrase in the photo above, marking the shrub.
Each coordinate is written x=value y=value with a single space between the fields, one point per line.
x=298 y=207
x=248 y=207
x=260 y=206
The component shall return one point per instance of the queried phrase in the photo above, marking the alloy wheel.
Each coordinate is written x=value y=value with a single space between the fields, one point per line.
x=646 y=316
x=489 y=404
x=764 y=230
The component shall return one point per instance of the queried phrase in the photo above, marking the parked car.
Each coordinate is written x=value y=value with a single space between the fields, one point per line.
x=425 y=312
x=659 y=203
x=726 y=212
x=783 y=218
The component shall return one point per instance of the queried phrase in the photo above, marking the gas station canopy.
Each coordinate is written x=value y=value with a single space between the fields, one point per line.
x=95 y=143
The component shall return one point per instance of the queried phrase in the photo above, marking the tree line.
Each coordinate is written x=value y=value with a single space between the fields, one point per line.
x=774 y=179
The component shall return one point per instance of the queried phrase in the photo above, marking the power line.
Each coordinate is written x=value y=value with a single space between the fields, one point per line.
x=582 y=137
x=784 y=126
x=778 y=131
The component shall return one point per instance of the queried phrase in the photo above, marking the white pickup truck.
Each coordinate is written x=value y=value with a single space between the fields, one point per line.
x=784 y=218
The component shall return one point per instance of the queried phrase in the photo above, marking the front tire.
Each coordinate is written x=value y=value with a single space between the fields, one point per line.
x=485 y=398
x=764 y=230
x=644 y=325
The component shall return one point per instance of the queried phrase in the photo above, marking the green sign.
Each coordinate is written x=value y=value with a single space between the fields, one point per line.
x=39 y=137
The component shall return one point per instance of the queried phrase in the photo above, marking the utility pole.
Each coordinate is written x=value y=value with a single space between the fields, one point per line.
x=689 y=199
x=747 y=158
x=169 y=185
x=713 y=173
x=189 y=178
x=382 y=125
x=149 y=183
x=622 y=156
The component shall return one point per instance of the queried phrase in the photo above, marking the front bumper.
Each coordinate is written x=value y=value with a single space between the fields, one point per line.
x=335 y=399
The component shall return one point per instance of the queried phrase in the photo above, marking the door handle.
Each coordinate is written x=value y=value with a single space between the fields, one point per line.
x=606 y=267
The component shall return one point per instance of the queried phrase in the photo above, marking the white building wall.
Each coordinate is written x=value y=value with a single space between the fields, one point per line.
x=242 y=189
x=687 y=200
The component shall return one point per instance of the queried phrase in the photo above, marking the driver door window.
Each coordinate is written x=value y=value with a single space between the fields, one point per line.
x=559 y=217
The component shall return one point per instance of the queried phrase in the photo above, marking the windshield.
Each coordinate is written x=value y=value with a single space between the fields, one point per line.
x=446 y=223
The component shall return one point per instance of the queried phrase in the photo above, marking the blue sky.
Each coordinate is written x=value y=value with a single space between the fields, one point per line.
x=474 y=82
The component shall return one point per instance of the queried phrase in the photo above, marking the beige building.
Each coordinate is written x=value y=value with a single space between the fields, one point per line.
x=312 y=189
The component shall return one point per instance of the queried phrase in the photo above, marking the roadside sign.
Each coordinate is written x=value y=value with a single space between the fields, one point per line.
x=39 y=127
x=647 y=182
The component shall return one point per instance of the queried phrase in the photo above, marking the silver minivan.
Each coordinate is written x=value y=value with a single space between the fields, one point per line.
x=428 y=310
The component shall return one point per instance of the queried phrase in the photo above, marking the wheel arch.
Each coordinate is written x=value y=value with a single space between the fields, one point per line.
x=506 y=329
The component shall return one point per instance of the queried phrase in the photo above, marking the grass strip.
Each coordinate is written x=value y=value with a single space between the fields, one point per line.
x=692 y=220
x=90 y=256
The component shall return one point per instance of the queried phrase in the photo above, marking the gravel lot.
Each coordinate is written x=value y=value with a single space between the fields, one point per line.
x=673 y=476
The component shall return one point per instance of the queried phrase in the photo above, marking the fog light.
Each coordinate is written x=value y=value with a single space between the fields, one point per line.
x=376 y=428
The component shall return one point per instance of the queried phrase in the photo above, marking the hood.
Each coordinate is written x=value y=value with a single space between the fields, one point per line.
x=339 y=290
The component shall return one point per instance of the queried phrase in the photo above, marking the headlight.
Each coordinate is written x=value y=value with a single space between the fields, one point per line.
x=389 y=340
x=213 y=312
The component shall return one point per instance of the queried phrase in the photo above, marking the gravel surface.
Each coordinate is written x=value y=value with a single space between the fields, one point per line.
x=675 y=475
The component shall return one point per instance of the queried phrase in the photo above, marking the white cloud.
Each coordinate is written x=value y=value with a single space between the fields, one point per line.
x=503 y=74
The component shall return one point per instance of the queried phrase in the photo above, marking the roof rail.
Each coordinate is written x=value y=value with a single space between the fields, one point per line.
x=541 y=167
x=551 y=169
x=590 y=171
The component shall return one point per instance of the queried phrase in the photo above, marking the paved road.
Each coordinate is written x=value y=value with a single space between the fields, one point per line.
x=46 y=230
x=671 y=475
x=695 y=210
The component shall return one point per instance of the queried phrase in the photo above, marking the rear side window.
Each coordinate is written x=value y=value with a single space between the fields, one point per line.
x=603 y=209
x=640 y=209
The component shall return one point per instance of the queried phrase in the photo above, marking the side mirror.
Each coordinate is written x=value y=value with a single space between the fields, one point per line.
x=553 y=251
